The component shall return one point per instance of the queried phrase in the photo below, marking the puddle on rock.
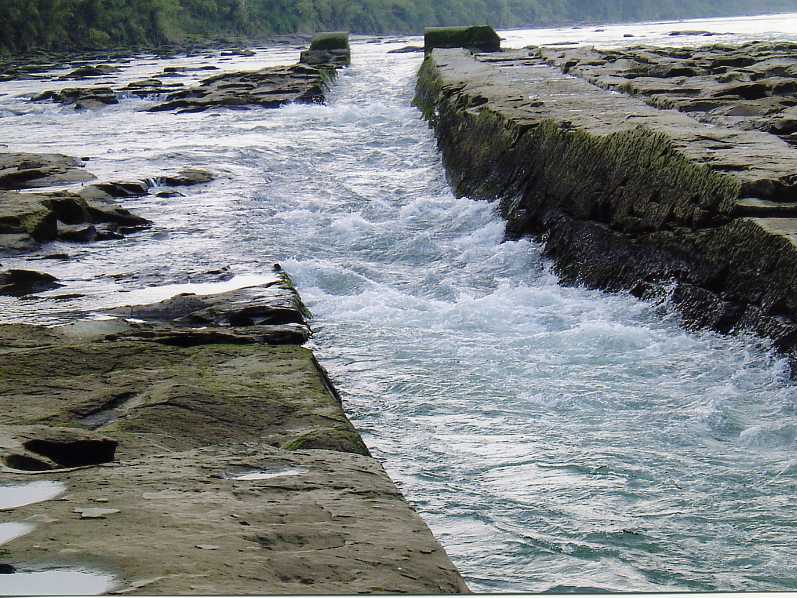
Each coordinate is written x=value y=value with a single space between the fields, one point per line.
x=55 y=582
x=267 y=474
x=11 y=531
x=149 y=295
x=19 y=495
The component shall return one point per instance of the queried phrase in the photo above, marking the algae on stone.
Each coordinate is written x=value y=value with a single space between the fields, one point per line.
x=625 y=196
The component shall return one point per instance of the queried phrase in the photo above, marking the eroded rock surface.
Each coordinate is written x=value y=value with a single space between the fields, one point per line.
x=750 y=86
x=27 y=219
x=235 y=460
x=26 y=171
x=628 y=196
x=88 y=214
x=271 y=87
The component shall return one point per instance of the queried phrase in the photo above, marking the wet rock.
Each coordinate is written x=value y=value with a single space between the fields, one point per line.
x=271 y=87
x=30 y=218
x=587 y=169
x=147 y=88
x=41 y=448
x=26 y=171
x=69 y=447
x=239 y=52
x=124 y=188
x=6 y=569
x=82 y=98
x=480 y=39
x=693 y=32
x=186 y=177
x=287 y=334
x=89 y=71
x=328 y=49
x=406 y=50
x=274 y=304
x=17 y=283
x=77 y=233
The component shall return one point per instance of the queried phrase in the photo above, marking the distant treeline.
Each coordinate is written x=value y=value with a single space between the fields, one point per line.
x=86 y=24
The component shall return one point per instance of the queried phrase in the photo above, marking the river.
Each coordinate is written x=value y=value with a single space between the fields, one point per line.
x=552 y=437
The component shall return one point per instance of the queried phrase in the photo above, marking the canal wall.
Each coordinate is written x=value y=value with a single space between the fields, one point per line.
x=625 y=196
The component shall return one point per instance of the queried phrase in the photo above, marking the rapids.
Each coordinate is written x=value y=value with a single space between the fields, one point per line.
x=553 y=438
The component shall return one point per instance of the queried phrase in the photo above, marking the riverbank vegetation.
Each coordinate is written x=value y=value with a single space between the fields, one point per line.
x=97 y=24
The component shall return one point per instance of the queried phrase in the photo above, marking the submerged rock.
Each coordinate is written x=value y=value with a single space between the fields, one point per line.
x=406 y=50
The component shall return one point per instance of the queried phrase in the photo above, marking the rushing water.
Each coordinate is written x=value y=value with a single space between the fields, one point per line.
x=552 y=437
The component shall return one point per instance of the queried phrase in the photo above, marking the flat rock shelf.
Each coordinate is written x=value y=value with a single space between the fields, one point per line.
x=153 y=427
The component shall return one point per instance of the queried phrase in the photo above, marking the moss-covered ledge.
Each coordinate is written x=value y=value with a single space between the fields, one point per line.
x=625 y=196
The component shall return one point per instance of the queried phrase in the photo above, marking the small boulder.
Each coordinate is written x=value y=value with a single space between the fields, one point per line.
x=84 y=72
x=185 y=178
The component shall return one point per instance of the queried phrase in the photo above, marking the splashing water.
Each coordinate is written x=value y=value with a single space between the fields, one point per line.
x=553 y=438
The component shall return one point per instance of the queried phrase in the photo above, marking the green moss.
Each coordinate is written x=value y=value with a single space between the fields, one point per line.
x=427 y=90
x=41 y=224
x=333 y=439
x=634 y=179
x=333 y=40
x=288 y=282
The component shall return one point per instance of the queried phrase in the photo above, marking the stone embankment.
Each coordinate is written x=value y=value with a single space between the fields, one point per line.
x=625 y=195
x=196 y=446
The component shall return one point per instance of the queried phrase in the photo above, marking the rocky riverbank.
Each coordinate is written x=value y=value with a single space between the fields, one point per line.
x=626 y=196
x=203 y=450
x=193 y=445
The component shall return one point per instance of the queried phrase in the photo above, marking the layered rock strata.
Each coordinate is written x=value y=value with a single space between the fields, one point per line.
x=271 y=87
x=751 y=86
x=625 y=195
x=204 y=451
x=87 y=214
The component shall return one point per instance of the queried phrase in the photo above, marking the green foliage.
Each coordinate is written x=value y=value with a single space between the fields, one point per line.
x=77 y=24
